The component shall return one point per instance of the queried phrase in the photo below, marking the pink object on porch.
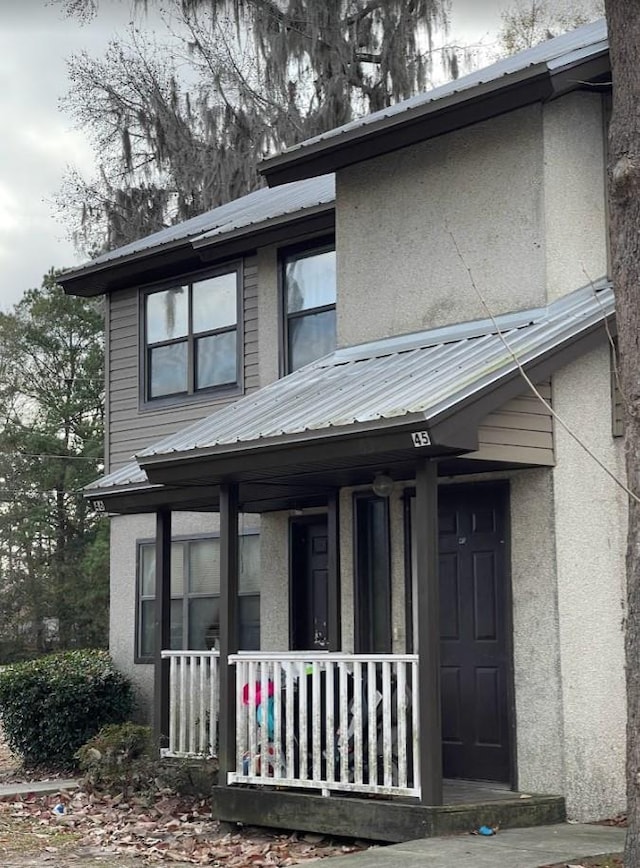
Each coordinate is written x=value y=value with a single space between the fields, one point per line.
x=258 y=692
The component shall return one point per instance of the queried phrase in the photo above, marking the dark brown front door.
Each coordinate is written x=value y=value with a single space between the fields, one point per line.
x=474 y=645
x=309 y=585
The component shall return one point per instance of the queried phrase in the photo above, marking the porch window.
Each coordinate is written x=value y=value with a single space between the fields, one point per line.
x=373 y=575
x=195 y=595
x=309 y=278
x=190 y=336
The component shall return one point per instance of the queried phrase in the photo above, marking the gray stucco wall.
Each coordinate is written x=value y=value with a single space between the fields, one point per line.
x=274 y=588
x=398 y=270
x=574 y=192
x=539 y=726
x=591 y=521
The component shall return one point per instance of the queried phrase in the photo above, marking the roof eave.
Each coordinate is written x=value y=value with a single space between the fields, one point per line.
x=147 y=266
x=99 y=278
x=432 y=119
x=308 y=446
x=316 y=219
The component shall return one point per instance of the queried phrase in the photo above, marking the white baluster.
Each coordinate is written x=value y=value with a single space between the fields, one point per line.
x=387 y=739
x=401 y=696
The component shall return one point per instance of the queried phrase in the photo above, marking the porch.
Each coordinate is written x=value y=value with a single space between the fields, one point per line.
x=329 y=742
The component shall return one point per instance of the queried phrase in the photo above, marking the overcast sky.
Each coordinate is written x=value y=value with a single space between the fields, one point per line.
x=38 y=141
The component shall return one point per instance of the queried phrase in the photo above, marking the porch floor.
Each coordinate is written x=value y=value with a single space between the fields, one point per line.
x=467 y=805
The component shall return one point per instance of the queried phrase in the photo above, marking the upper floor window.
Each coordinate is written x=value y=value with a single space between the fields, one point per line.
x=310 y=305
x=190 y=334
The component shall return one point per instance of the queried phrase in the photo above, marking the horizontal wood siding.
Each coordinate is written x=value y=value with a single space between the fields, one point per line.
x=519 y=431
x=251 y=376
x=131 y=429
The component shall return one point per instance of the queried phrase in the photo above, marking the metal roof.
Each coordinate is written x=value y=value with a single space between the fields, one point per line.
x=290 y=201
x=389 y=379
x=416 y=376
x=421 y=375
x=549 y=57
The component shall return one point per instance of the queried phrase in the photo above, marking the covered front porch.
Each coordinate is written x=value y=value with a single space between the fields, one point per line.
x=345 y=726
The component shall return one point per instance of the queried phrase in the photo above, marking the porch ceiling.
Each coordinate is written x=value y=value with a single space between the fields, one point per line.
x=341 y=419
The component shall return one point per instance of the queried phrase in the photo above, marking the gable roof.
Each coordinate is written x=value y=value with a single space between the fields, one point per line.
x=303 y=173
x=242 y=218
x=414 y=381
x=543 y=72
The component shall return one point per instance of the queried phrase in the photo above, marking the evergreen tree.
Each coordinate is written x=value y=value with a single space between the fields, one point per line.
x=53 y=559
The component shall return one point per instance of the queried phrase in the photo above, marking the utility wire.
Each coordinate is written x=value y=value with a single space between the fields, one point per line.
x=533 y=387
x=48 y=455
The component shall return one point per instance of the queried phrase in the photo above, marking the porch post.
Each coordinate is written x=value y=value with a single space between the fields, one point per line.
x=333 y=587
x=428 y=632
x=228 y=628
x=162 y=627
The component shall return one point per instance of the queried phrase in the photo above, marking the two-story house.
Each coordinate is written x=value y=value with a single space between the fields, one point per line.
x=358 y=545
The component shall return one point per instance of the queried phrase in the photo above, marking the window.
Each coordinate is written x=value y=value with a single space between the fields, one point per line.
x=373 y=575
x=309 y=279
x=195 y=595
x=190 y=336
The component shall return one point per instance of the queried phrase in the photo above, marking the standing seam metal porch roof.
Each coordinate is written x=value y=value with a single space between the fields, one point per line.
x=417 y=377
x=400 y=379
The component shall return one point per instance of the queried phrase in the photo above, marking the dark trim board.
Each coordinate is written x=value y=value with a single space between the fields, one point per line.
x=382 y=820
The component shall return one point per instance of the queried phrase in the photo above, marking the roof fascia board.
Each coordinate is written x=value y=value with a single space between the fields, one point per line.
x=215 y=237
x=123 y=500
x=437 y=118
x=247 y=239
x=121 y=273
x=177 y=470
x=141 y=267
x=581 y=74
x=444 y=115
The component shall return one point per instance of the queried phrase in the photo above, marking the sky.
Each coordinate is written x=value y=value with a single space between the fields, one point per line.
x=39 y=141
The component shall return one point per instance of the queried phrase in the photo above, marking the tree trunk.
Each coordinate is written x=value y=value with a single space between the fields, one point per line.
x=623 y=19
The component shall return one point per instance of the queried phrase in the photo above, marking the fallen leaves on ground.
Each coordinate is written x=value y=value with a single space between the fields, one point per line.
x=168 y=828
x=613 y=860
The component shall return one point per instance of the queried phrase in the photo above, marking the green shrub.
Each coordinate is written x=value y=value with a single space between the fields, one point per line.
x=51 y=706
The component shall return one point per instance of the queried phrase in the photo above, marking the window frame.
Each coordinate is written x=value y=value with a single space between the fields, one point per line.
x=302 y=250
x=144 y=349
x=186 y=595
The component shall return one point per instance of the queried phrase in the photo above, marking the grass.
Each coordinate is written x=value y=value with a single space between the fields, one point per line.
x=27 y=835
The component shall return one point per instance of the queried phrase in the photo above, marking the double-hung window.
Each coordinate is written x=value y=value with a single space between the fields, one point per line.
x=191 y=336
x=195 y=594
x=309 y=279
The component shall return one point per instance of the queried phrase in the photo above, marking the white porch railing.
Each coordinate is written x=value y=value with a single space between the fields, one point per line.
x=328 y=721
x=194 y=696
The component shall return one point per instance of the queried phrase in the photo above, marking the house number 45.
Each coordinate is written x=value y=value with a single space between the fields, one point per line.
x=421 y=438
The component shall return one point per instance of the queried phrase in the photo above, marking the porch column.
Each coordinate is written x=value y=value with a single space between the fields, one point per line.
x=162 y=627
x=428 y=631
x=228 y=628
x=333 y=585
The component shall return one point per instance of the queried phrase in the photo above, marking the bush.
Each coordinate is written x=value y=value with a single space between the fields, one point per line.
x=51 y=706
x=121 y=759
x=118 y=758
